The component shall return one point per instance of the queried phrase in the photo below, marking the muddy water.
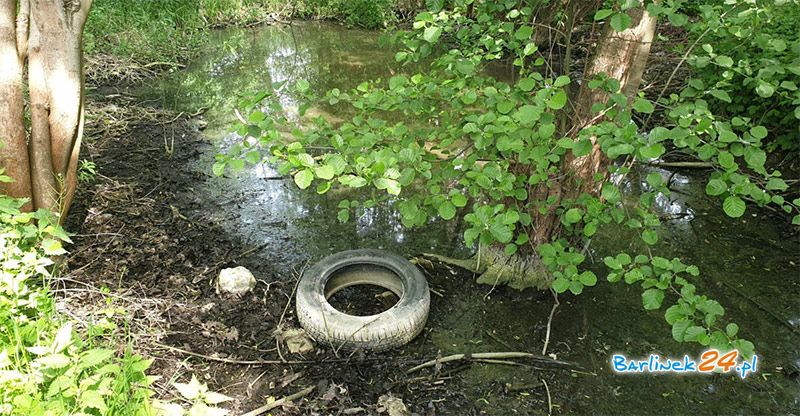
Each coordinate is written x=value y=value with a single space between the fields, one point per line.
x=750 y=265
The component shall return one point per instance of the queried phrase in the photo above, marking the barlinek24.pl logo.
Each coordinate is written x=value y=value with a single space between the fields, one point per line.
x=710 y=361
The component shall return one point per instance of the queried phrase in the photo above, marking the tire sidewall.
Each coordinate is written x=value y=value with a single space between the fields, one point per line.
x=390 y=328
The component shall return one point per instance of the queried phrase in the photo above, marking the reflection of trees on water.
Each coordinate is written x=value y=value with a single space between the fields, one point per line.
x=240 y=62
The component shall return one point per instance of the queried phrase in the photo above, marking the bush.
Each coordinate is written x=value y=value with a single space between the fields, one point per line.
x=45 y=367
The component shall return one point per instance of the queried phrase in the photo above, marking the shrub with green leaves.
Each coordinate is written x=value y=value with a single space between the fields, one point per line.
x=45 y=367
x=454 y=140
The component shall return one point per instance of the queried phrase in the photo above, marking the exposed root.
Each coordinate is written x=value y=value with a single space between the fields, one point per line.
x=496 y=268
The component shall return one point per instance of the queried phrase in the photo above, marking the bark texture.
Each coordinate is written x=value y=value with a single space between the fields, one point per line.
x=45 y=34
x=620 y=55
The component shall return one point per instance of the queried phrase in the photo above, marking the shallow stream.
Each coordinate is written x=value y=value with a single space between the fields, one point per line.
x=751 y=265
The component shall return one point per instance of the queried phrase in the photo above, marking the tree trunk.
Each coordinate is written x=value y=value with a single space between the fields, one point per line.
x=13 y=142
x=48 y=33
x=620 y=55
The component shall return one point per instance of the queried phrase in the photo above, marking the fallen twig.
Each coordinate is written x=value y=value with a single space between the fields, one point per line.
x=494 y=356
x=685 y=165
x=549 y=399
x=259 y=362
x=280 y=402
x=550 y=321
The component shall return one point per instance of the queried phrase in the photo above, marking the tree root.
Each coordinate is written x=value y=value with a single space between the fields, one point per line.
x=496 y=268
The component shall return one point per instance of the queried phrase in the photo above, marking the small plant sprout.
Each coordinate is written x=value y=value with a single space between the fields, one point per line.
x=201 y=398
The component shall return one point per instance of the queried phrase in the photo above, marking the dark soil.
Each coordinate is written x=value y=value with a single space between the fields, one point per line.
x=136 y=235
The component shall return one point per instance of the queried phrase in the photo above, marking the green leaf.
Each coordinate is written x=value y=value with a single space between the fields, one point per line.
x=693 y=333
x=546 y=130
x=759 y=132
x=576 y=287
x=302 y=86
x=650 y=237
x=557 y=101
x=716 y=187
x=447 y=210
x=469 y=97
x=397 y=81
x=675 y=313
x=343 y=215
x=725 y=160
x=611 y=193
x=777 y=184
x=573 y=215
x=561 y=81
x=652 y=151
x=303 y=178
x=306 y=160
x=652 y=298
x=458 y=200
x=590 y=229
x=432 y=34
x=528 y=84
x=352 y=181
x=765 y=89
x=561 y=284
x=620 y=21
x=588 y=278
x=721 y=95
x=52 y=247
x=95 y=357
x=218 y=168
x=523 y=33
x=733 y=206
x=323 y=187
x=530 y=49
x=253 y=157
x=390 y=185
x=732 y=329
x=643 y=105
x=325 y=172
x=612 y=263
x=724 y=61
x=602 y=14
x=501 y=233
x=679 y=329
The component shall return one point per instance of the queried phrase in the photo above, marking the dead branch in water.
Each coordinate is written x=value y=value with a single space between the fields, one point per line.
x=495 y=356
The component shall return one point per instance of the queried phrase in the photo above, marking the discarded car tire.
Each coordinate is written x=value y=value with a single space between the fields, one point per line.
x=391 y=328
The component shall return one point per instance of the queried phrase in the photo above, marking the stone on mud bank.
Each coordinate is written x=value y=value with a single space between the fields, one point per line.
x=237 y=281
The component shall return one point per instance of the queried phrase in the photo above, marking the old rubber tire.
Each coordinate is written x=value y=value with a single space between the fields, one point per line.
x=391 y=328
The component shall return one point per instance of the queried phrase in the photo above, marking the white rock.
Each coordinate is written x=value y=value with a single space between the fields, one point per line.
x=237 y=281
x=392 y=405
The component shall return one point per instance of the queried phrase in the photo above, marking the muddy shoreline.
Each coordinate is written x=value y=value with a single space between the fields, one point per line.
x=136 y=235
x=149 y=231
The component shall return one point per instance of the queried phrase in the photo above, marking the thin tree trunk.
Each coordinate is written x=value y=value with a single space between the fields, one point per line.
x=620 y=55
x=46 y=33
x=61 y=26
x=13 y=143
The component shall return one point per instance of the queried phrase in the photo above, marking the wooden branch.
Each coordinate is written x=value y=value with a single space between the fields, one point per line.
x=494 y=356
x=685 y=165
x=280 y=402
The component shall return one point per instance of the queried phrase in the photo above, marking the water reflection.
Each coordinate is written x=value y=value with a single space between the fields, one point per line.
x=749 y=264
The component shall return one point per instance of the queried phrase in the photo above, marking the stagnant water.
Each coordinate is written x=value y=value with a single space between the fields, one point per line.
x=750 y=265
